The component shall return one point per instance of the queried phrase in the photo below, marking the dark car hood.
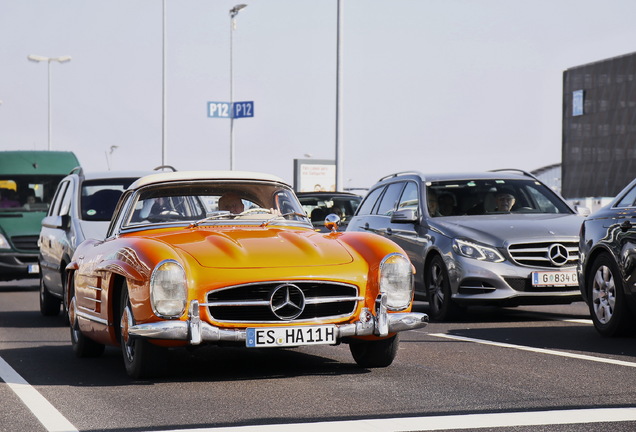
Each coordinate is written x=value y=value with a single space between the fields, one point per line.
x=504 y=229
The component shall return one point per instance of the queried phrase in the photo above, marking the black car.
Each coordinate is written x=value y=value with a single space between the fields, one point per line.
x=495 y=238
x=607 y=270
x=82 y=208
x=318 y=205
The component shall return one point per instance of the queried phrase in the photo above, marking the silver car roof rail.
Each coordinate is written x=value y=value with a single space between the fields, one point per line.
x=526 y=173
x=399 y=174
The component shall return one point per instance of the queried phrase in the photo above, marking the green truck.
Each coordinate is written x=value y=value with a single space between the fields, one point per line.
x=28 y=180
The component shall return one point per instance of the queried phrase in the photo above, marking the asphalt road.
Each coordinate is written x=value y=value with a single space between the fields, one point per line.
x=521 y=369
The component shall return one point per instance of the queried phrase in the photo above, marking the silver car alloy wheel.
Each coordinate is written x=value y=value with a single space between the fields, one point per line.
x=603 y=294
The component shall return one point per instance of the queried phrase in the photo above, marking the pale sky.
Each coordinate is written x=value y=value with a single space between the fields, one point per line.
x=428 y=85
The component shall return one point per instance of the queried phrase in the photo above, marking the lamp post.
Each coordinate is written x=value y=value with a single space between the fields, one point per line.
x=339 y=145
x=233 y=13
x=37 y=59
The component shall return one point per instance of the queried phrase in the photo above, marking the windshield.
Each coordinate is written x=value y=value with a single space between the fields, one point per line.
x=215 y=202
x=319 y=206
x=478 y=197
x=99 y=197
x=27 y=193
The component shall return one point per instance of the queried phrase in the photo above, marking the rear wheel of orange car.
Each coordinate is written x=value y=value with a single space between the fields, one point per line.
x=373 y=354
x=83 y=346
x=141 y=358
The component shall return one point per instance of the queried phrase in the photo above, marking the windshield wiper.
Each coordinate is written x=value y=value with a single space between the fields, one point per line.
x=215 y=215
x=265 y=223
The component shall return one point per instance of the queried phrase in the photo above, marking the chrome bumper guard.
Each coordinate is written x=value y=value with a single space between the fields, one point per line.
x=196 y=331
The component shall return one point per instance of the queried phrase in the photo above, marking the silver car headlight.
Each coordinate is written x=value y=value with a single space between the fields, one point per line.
x=4 y=243
x=168 y=289
x=476 y=251
x=396 y=280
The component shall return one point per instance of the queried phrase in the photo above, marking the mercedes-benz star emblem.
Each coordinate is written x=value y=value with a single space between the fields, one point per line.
x=558 y=254
x=287 y=301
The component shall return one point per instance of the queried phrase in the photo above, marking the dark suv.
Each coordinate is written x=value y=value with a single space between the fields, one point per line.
x=497 y=238
x=82 y=208
x=608 y=264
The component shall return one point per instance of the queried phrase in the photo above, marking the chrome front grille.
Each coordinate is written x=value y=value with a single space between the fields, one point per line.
x=545 y=254
x=257 y=302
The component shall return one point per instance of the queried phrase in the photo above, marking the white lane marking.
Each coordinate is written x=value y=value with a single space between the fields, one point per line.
x=46 y=413
x=453 y=422
x=578 y=321
x=537 y=350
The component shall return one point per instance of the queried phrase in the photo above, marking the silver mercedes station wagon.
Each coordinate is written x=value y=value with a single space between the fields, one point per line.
x=496 y=238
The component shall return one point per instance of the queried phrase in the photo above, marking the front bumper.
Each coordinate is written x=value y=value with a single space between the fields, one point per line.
x=504 y=284
x=196 y=331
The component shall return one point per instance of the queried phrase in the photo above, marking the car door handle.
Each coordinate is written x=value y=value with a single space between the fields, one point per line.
x=625 y=226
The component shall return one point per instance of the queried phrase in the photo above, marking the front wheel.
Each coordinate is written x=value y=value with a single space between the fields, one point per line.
x=49 y=304
x=141 y=358
x=374 y=354
x=610 y=313
x=438 y=289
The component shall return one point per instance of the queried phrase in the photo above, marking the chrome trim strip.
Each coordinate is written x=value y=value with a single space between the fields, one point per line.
x=275 y=282
x=237 y=303
x=320 y=319
x=91 y=317
x=312 y=300
x=321 y=300
x=91 y=299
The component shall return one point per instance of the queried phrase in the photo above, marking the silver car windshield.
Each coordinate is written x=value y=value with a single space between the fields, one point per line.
x=491 y=196
x=214 y=202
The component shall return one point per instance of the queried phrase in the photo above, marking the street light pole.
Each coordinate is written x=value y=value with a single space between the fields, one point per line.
x=338 y=152
x=233 y=13
x=37 y=59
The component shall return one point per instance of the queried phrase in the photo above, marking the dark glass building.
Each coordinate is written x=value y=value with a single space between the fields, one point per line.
x=599 y=127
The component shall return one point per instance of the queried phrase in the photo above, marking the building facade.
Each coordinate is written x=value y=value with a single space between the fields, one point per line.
x=599 y=128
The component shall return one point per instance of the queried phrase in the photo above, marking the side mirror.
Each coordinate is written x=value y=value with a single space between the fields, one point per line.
x=332 y=222
x=582 y=211
x=57 y=222
x=404 y=216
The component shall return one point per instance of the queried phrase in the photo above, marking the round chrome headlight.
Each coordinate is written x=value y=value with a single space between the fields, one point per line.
x=396 y=280
x=168 y=289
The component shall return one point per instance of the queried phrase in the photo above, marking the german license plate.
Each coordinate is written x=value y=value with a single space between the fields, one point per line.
x=290 y=336
x=558 y=278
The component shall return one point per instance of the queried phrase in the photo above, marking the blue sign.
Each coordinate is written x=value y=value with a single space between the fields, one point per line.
x=229 y=110
x=243 y=109
x=577 y=102
x=219 y=109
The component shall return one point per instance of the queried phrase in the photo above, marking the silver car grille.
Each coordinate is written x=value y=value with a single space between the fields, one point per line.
x=282 y=301
x=545 y=254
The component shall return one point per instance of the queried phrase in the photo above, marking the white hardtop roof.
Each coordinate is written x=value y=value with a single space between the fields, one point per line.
x=203 y=175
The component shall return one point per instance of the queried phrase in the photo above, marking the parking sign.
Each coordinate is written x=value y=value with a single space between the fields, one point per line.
x=231 y=110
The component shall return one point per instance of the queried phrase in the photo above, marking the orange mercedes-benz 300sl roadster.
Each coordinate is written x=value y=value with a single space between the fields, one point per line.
x=230 y=257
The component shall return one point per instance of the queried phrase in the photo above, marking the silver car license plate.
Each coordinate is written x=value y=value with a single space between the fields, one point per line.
x=554 y=278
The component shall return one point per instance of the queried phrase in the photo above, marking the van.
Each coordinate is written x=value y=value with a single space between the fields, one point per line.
x=28 y=180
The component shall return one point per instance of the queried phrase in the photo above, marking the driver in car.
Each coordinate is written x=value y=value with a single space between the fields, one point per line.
x=231 y=202
x=505 y=200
